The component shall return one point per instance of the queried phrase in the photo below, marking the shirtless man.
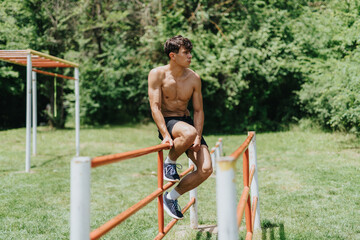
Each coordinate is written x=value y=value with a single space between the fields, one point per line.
x=170 y=89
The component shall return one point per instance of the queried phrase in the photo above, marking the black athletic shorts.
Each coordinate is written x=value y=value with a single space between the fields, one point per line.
x=171 y=121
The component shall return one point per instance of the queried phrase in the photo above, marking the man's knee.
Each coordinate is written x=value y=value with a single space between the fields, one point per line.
x=205 y=171
x=189 y=134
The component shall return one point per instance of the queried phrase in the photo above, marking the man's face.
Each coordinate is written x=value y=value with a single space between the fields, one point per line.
x=183 y=57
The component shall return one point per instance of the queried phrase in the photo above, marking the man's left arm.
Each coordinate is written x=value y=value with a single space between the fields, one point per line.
x=198 y=113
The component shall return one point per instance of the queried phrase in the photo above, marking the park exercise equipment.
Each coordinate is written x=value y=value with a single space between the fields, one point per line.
x=230 y=216
x=31 y=58
x=80 y=195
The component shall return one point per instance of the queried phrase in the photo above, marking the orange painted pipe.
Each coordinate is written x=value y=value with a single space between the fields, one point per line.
x=97 y=233
x=241 y=205
x=160 y=197
x=53 y=74
x=243 y=146
x=253 y=211
x=252 y=171
x=246 y=184
x=248 y=236
x=172 y=222
x=107 y=159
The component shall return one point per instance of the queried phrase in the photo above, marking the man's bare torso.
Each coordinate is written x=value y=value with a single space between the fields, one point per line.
x=176 y=92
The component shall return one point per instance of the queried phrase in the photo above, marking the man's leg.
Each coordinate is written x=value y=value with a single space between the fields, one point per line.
x=204 y=169
x=184 y=136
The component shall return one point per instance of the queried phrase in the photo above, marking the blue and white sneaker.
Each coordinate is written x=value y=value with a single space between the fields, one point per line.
x=172 y=207
x=170 y=172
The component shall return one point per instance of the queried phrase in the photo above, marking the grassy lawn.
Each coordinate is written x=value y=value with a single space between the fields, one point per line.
x=309 y=184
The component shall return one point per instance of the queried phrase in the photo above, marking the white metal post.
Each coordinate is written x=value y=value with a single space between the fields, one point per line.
x=221 y=146
x=226 y=199
x=213 y=159
x=77 y=113
x=28 y=112
x=217 y=151
x=254 y=188
x=80 y=198
x=194 y=207
x=34 y=116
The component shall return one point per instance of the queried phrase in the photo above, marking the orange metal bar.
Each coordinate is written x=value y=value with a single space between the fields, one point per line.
x=107 y=159
x=243 y=146
x=253 y=210
x=248 y=236
x=241 y=205
x=97 y=233
x=246 y=184
x=160 y=186
x=252 y=171
x=172 y=222
x=52 y=74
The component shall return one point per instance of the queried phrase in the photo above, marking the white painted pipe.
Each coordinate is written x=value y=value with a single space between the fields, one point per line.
x=80 y=198
x=194 y=207
x=221 y=147
x=213 y=159
x=77 y=112
x=34 y=115
x=28 y=112
x=217 y=150
x=254 y=188
x=226 y=199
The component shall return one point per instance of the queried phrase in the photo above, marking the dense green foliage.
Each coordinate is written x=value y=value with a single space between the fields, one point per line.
x=263 y=64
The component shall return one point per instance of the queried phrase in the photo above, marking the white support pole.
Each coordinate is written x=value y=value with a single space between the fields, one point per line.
x=254 y=188
x=194 y=207
x=217 y=151
x=28 y=112
x=221 y=146
x=80 y=198
x=77 y=113
x=34 y=116
x=226 y=199
x=213 y=159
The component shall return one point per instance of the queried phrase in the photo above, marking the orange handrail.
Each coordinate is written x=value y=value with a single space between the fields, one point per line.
x=243 y=147
x=107 y=159
x=97 y=233
x=244 y=203
x=172 y=222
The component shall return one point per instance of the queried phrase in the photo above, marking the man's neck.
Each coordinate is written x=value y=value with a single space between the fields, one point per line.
x=175 y=69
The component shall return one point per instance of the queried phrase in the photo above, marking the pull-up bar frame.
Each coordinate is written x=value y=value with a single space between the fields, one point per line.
x=31 y=58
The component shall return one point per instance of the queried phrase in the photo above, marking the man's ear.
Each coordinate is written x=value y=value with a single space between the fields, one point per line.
x=172 y=55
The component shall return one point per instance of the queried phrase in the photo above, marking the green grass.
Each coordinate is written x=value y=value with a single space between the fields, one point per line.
x=309 y=184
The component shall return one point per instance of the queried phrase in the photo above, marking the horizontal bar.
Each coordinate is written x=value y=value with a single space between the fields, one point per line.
x=253 y=212
x=53 y=74
x=243 y=147
x=241 y=205
x=52 y=58
x=172 y=222
x=107 y=159
x=97 y=233
x=252 y=171
x=249 y=236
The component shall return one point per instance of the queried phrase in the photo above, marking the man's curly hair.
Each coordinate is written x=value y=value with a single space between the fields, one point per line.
x=173 y=44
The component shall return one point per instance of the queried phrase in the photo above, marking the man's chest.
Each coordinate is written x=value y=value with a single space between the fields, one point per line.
x=177 y=89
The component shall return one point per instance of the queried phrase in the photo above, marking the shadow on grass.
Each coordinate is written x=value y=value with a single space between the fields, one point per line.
x=269 y=228
x=205 y=232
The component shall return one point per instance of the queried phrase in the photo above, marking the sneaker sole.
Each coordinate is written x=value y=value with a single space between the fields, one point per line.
x=170 y=180
x=170 y=213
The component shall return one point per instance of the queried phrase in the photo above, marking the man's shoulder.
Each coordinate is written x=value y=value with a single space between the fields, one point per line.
x=158 y=70
x=193 y=74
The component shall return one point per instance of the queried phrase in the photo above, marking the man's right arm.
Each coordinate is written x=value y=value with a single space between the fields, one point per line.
x=154 y=91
